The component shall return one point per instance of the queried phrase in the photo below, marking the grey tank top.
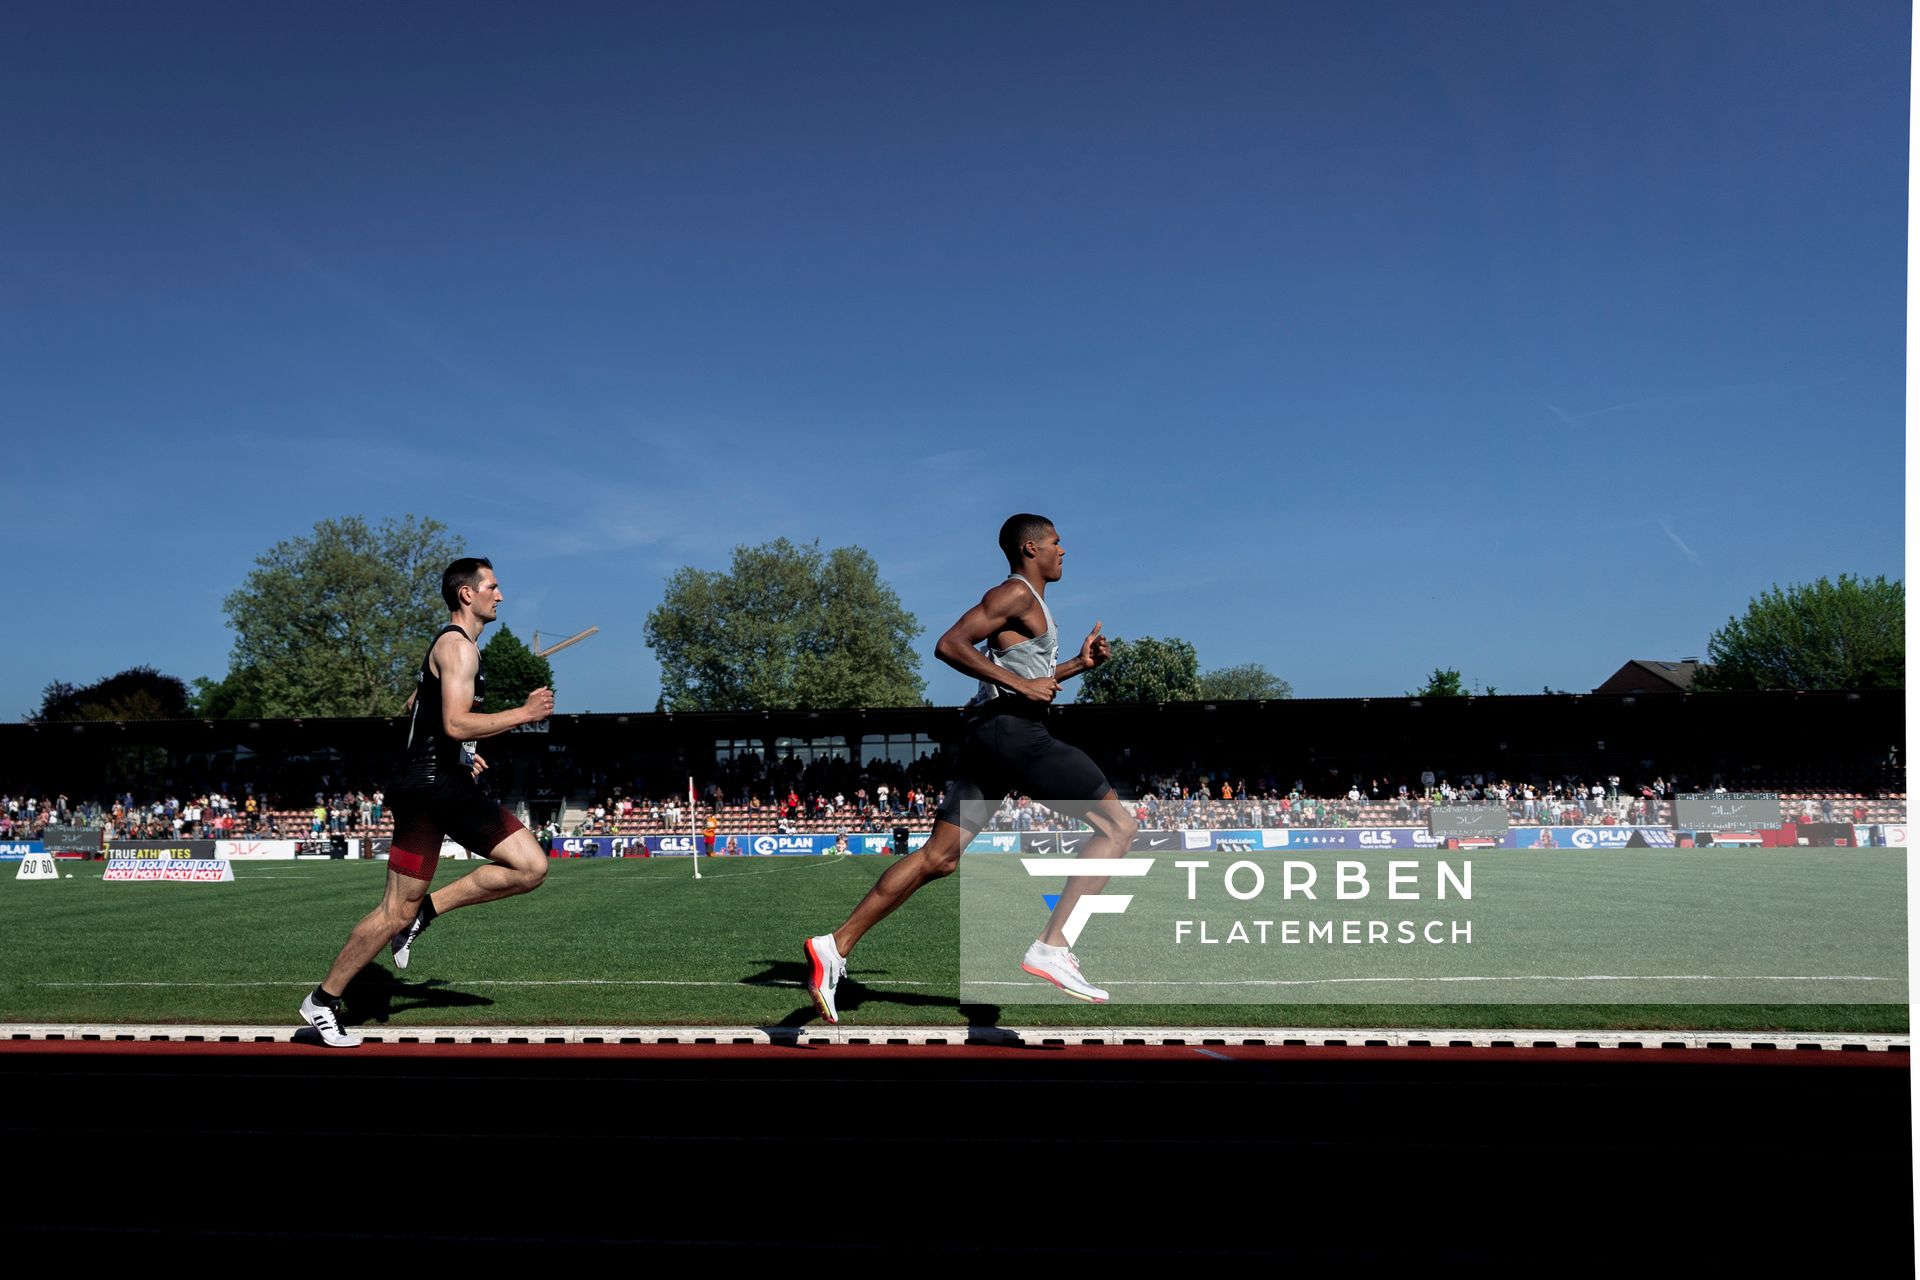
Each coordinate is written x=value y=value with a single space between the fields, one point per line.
x=1030 y=659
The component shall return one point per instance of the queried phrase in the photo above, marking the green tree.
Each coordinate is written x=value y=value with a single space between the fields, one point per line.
x=787 y=627
x=1443 y=683
x=334 y=624
x=1849 y=634
x=1144 y=670
x=1248 y=682
x=513 y=671
x=138 y=693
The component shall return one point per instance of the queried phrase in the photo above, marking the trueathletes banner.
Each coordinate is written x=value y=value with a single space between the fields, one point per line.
x=187 y=870
x=160 y=850
x=14 y=850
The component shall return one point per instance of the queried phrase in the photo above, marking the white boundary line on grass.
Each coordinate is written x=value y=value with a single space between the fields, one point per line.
x=1222 y=1040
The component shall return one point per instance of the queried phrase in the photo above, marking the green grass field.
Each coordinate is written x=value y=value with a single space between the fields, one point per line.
x=620 y=942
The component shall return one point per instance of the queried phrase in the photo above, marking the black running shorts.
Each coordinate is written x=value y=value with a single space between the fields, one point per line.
x=456 y=811
x=1008 y=750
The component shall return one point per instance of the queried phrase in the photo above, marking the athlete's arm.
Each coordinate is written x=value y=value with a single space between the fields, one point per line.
x=1094 y=650
x=459 y=665
x=997 y=611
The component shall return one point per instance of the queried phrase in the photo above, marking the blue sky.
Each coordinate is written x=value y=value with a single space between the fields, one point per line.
x=1348 y=339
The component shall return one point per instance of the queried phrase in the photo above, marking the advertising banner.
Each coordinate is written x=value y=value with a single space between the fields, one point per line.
x=995 y=842
x=73 y=839
x=14 y=850
x=1589 y=837
x=1467 y=821
x=1737 y=811
x=669 y=846
x=264 y=849
x=160 y=850
x=600 y=846
x=183 y=870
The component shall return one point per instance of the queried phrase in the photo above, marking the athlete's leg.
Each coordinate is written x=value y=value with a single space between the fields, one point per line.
x=939 y=856
x=398 y=905
x=515 y=865
x=1113 y=825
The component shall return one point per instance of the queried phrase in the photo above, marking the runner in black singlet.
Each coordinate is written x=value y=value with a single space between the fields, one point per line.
x=1005 y=747
x=437 y=797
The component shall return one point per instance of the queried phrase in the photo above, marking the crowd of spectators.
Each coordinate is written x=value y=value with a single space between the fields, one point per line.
x=785 y=795
x=205 y=815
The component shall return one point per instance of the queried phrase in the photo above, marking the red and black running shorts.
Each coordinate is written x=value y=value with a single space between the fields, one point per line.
x=463 y=814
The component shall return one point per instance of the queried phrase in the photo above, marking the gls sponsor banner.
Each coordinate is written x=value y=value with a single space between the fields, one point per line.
x=281 y=850
x=186 y=870
x=670 y=846
x=14 y=850
x=160 y=849
x=1546 y=926
x=601 y=846
x=1309 y=839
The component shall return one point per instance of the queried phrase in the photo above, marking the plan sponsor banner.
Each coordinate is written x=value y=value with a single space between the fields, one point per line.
x=14 y=850
x=280 y=850
x=776 y=846
x=160 y=850
x=182 y=870
x=1588 y=837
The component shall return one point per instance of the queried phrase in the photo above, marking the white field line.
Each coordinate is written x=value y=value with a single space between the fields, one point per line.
x=1534 y=977
x=482 y=982
x=900 y=982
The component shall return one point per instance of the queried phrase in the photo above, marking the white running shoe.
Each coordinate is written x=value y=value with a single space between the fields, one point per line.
x=825 y=967
x=401 y=944
x=326 y=1020
x=1058 y=966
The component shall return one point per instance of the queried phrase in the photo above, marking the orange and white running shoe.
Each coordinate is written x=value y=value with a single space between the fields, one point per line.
x=1059 y=966
x=825 y=967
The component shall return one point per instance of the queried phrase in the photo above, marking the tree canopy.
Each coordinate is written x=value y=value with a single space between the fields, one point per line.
x=1144 y=670
x=1849 y=634
x=1248 y=682
x=513 y=671
x=138 y=693
x=787 y=627
x=1443 y=683
x=334 y=624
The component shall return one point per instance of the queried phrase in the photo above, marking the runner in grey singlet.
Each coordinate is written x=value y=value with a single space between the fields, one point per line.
x=1030 y=659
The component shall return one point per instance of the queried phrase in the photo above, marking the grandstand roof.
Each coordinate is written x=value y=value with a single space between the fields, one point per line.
x=1652 y=675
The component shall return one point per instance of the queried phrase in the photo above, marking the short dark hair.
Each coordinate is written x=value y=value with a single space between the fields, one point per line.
x=1018 y=531
x=464 y=572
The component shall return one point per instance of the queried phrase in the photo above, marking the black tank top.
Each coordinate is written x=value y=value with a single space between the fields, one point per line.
x=433 y=757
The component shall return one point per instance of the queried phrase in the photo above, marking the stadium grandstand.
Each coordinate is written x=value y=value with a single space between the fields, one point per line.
x=1589 y=760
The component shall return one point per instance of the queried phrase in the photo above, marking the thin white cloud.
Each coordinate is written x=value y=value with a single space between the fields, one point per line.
x=1690 y=552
